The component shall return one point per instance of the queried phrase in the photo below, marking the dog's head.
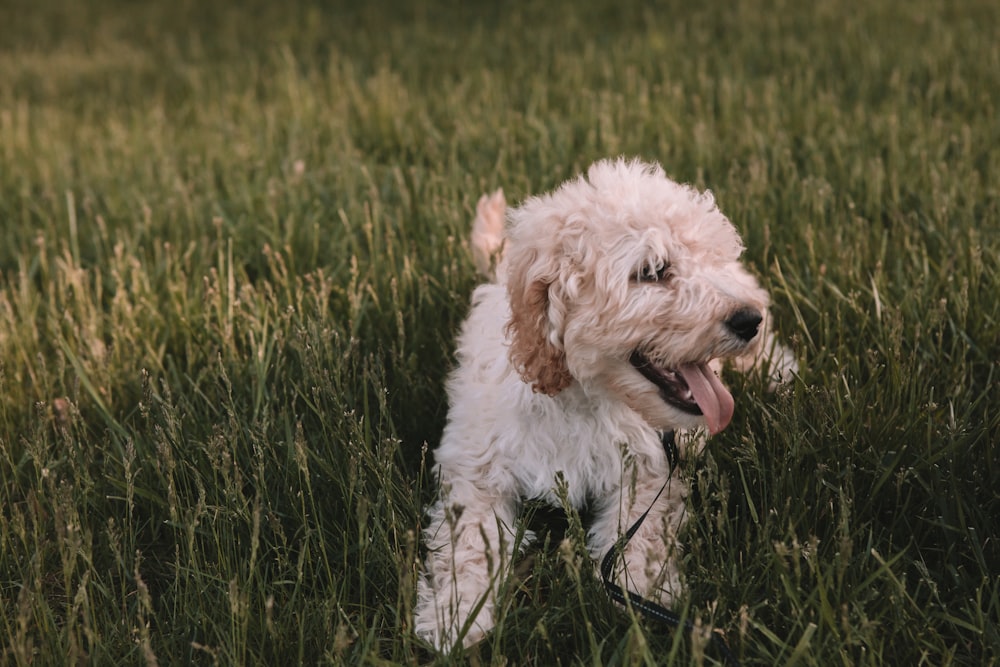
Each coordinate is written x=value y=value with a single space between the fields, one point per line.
x=630 y=284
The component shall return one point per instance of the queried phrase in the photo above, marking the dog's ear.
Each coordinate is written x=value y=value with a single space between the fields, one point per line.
x=535 y=321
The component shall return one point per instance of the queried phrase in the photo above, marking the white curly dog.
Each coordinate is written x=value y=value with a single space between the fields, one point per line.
x=614 y=300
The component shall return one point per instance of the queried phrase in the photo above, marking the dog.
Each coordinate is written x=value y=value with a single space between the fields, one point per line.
x=612 y=303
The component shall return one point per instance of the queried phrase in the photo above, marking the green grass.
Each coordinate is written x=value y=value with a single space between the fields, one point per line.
x=232 y=266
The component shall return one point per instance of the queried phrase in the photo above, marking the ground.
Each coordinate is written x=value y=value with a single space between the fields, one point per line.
x=232 y=266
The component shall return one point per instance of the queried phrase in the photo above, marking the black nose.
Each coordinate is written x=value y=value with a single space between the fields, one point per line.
x=744 y=323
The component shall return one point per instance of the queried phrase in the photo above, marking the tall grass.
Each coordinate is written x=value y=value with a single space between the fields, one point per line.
x=232 y=264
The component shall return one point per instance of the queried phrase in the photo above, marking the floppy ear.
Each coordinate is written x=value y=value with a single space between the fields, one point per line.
x=536 y=318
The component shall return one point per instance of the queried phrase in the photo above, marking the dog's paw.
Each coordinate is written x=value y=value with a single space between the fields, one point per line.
x=456 y=611
x=774 y=360
x=442 y=627
x=781 y=366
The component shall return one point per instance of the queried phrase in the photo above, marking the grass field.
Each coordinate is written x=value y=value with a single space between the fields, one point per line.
x=232 y=265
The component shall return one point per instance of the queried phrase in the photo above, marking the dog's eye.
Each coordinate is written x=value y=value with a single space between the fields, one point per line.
x=653 y=272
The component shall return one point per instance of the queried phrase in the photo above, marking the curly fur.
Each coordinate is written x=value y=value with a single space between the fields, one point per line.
x=621 y=264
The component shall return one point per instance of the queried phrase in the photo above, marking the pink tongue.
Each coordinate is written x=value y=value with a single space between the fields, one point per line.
x=710 y=394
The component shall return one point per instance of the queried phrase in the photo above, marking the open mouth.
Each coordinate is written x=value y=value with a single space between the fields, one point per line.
x=692 y=388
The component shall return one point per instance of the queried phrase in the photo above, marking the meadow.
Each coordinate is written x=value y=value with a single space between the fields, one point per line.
x=233 y=261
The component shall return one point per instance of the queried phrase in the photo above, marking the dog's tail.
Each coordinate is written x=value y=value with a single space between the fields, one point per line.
x=487 y=233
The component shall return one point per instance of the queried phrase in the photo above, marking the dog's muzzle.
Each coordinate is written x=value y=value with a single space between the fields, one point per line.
x=692 y=388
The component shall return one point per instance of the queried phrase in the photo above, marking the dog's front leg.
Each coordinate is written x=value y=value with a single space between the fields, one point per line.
x=650 y=563
x=470 y=542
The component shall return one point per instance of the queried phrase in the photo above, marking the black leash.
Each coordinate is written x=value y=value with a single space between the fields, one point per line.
x=651 y=609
